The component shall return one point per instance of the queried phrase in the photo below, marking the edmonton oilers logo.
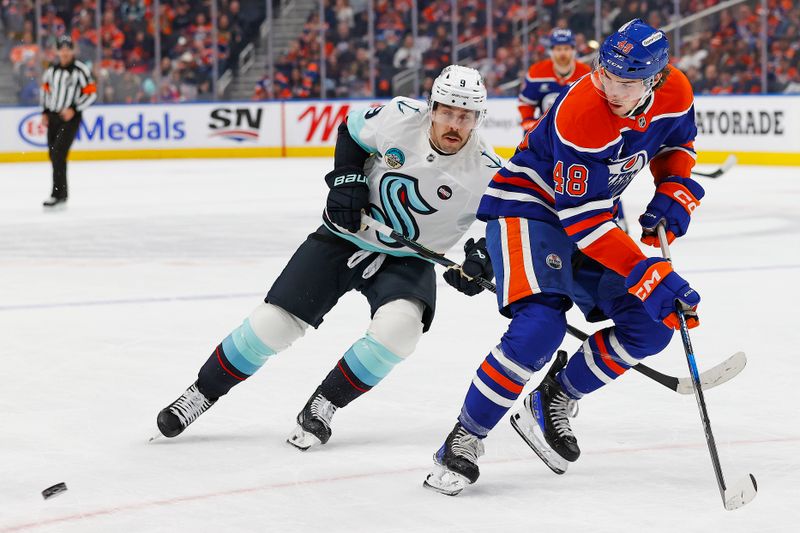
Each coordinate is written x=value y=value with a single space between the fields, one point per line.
x=394 y=157
x=444 y=192
x=553 y=261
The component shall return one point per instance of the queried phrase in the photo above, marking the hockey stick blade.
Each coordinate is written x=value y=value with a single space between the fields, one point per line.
x=717 y=375
x=741 y=493
x=726 y=166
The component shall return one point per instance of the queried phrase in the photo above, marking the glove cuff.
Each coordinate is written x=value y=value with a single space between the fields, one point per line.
x=646 y=276
x=346 y=176
x=685 y=191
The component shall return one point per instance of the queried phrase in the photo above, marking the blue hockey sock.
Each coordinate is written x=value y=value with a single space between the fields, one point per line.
x=237 y=358
x=363 y=366
x=535 y=332
x=599 y=361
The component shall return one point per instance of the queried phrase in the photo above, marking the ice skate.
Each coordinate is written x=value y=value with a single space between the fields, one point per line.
x=54 y=203
x=455 y=463
x=543 y=421
x=177 y=416
x=313 y=423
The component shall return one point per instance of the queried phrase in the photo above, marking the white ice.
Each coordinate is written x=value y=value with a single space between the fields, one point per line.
x=108 y=309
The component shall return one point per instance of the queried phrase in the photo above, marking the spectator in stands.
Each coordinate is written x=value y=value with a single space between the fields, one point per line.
x=408 y=55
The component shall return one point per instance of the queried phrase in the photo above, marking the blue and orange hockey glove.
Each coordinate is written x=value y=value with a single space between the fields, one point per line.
x=349 y=194
x=674 y=201
x=476 y=264
x=654 y=282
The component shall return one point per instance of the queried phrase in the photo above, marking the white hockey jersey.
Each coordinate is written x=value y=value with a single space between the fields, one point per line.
x=428 y=197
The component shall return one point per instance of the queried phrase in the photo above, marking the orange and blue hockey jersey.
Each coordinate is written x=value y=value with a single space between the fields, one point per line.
x=572 y=167
x=543 y=85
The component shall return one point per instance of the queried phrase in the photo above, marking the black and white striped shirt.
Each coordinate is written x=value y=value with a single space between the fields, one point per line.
x=67 y=86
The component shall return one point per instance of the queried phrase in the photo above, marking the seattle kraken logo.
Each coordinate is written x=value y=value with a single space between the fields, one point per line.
x=400 y=199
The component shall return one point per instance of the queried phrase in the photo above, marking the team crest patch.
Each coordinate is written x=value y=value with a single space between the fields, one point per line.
x=444 y=192
x=394 y=157
x=554 y=262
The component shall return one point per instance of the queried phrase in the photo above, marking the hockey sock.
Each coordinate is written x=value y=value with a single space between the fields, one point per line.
x=239 y=356
x=363 y=366
x=535 y=332
x=600 y=360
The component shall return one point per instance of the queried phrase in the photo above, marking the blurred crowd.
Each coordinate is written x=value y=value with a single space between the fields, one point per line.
x=122 y=53
x=720 y=53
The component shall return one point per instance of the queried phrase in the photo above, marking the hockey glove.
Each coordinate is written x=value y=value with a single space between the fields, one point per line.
x=476 y=264
x=674 y=201
x=654 y=282
x=349 y=194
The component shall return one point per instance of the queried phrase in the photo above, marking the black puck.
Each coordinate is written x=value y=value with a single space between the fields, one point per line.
x=58 y=488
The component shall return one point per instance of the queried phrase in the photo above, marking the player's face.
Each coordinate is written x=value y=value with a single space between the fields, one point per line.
x=562 y=54
x=622 y=94
x=451 y=127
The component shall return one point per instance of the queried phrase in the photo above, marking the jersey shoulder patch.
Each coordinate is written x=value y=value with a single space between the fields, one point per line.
x=583 y=120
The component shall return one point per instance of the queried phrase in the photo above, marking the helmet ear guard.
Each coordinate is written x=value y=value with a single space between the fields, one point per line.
x=460 y=87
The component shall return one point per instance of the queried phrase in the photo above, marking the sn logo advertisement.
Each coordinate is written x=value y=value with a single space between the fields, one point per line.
x=102 y=128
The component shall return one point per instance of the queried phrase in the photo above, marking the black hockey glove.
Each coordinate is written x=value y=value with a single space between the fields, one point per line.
x=476 y=264
x=349 y=194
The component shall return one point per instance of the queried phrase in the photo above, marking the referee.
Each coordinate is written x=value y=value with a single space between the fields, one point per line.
x=67 y=89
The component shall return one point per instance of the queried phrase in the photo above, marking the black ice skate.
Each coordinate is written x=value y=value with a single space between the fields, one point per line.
x=177 y=416
x=313 y=423
x=455 y=463
x=543 y=424
x=54 y=203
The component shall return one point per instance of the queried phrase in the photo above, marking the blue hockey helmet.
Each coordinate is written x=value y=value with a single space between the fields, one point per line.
x=561 y=36
x=635 y=51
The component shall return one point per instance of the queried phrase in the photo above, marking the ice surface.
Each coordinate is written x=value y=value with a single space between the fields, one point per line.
x=108 y=309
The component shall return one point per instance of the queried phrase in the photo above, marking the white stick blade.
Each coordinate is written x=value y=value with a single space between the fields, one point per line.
x=729 y=162
x=741 y=493
x=717 y=375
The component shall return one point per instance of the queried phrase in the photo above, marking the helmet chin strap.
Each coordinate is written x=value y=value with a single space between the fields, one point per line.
x=643 y=100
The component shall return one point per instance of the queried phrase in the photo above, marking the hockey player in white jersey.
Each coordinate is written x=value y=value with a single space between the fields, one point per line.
x=418 y=168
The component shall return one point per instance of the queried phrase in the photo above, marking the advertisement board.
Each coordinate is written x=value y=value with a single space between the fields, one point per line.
x=758 y=129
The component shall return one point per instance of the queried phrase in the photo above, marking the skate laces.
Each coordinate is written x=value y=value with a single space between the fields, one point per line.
x=561 y=406
x=323 y=409
x=190 y=405
x=467 y=446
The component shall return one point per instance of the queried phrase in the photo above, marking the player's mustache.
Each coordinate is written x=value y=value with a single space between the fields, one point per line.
x=453 y=133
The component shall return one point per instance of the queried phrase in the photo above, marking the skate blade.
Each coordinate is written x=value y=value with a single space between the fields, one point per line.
x=54 y=208
x=528 y=429
x=445 y=481
x=302 y=440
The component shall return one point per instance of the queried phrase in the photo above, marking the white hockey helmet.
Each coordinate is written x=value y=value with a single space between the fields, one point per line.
x=460 y=87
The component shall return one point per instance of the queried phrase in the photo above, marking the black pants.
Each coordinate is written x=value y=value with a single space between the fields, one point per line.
x=60 y=134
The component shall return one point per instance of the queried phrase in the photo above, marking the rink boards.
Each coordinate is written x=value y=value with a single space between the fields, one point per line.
x=762 y=130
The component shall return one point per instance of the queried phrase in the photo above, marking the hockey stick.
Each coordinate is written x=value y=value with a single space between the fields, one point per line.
x=711 y=378
x=726 y=166
x=745 y=489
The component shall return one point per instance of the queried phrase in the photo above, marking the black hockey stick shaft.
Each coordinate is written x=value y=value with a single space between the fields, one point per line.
x=695 y=374
x=670 y=382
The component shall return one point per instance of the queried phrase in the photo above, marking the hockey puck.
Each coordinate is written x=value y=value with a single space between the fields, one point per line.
x=56 y=489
